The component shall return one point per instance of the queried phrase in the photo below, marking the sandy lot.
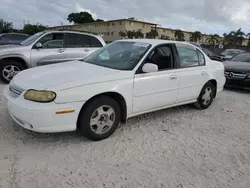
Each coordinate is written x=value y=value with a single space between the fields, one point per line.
x=179 y=147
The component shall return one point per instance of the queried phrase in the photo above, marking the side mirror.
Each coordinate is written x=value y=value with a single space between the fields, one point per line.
x=149 y=67
x=39 y=45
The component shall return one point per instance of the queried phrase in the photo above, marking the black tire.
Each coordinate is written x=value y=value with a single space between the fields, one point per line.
x=201 y=104
x=6 y=63
x=87 y=113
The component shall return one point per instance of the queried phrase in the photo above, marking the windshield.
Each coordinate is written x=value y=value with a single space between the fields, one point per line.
x=231 y=52
x=31 y=39
x=243 y=57
x=121 y=55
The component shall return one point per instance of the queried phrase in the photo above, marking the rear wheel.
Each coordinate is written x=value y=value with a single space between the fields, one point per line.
x=9 y=69
x=100 y=118
x=206 y=96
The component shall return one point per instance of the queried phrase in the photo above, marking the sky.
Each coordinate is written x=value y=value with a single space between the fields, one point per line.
x=207 y=16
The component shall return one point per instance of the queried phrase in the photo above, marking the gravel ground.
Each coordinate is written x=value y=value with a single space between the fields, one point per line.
x=179 y=147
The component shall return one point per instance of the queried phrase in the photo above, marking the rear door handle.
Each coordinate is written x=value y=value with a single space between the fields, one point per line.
x=173 y=77
x=60 y=50
x=203 y=73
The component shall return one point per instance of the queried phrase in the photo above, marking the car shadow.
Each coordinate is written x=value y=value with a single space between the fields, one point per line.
x=46 y=139
x=238 y=90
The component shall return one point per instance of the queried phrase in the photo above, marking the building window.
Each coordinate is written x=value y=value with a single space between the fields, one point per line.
x=113 y=23
x=108 y=33
x=112 y=33
x=120 y=22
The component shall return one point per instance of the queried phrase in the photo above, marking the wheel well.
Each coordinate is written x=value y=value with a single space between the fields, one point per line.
x=214 y=82
x=17 y=59
x=118 y=98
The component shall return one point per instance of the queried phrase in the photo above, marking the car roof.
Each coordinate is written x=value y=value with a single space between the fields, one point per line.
x=155 y=42
x=68 y=31
x=13 y=34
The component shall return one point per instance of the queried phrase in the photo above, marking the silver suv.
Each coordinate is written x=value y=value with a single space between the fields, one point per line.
x=45 y=48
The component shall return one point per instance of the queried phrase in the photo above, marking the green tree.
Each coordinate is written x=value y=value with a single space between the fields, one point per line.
x=195 y=36
x=5 y=27
x=152 y=34
x=99 y=20
x=80 y=18
x=138 y=34
x=248 y=37
x=32 y=29
x=130 y=34
x=179 y=35
x=123 y=34
x=164 y=37
x=213 y=39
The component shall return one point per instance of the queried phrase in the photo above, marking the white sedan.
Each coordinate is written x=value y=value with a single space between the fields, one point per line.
x=124 y=79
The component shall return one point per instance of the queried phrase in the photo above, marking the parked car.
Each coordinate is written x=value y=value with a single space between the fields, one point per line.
x=237 y=71
x=45 y=48
x=123 y=79
x=229 y=53
x=211 y=55
x=12 y=38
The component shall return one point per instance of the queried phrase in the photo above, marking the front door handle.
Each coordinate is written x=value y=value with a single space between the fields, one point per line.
x=60 y=50
x=173 y=77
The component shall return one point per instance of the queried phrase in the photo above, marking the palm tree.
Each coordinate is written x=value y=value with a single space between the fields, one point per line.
x=5 y=27
x=123 y=34
x=179 y=35
x=195 y=36
x=236 y=37
x=213 y=39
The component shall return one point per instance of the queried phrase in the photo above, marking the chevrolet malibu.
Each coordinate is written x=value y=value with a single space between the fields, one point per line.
x=124 y=79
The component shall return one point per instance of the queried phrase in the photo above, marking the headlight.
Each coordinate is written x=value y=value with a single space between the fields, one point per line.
x=40 y=96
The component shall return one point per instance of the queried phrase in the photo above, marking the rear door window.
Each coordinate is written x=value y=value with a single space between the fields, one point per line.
x=74 y=40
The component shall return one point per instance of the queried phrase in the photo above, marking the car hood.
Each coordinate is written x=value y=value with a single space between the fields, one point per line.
x=10 y=48
x=70 y=74
x=237 y=66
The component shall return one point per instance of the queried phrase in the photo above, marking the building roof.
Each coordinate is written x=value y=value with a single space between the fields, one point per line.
x=60 y=26
x=132 y=20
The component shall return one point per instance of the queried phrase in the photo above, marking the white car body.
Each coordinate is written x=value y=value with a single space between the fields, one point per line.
x=77 y=82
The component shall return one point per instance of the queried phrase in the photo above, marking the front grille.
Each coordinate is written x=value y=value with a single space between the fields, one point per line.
x=235 y=75
x=15 y=91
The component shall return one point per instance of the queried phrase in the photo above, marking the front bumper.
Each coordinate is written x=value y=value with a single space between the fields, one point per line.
x=235 y=83
x=42 y=117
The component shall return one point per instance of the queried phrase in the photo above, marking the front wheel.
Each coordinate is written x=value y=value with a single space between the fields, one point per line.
x=9 y=69
x=99 y=118
x=206 y=96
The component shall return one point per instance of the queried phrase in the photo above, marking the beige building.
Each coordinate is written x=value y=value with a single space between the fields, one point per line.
x=110 y=30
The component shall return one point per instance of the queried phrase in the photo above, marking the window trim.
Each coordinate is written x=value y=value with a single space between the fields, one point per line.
x=197 y=50
x=174 y=62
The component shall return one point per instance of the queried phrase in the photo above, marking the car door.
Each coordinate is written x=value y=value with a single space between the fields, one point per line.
x=52 y=50
x=192 y=72
x=79 y=46
x=156 y=89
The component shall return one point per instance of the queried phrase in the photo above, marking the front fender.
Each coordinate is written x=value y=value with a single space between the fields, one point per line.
x=84 y=93
x=16 y=55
